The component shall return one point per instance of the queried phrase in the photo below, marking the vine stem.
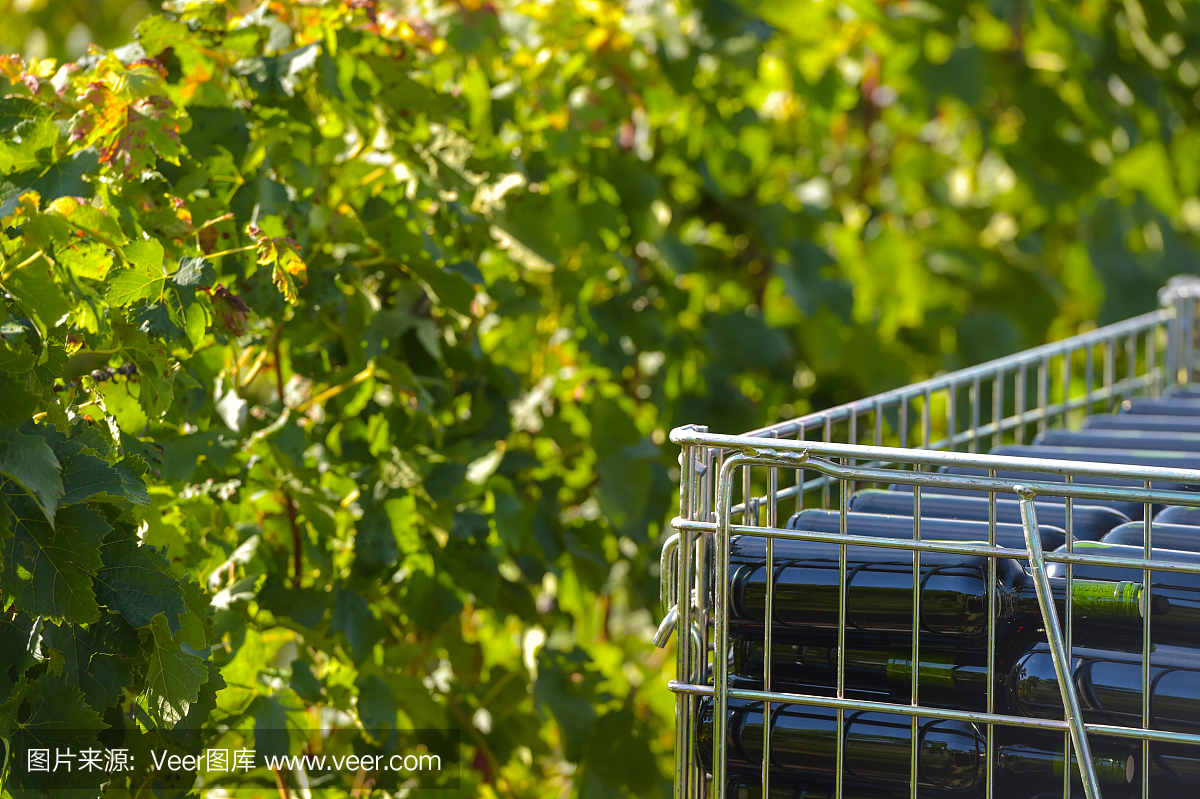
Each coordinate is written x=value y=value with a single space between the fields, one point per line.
x=214 y=221
x=234 y=251
x=333 y=391
x=289 y=506
x=23 y=264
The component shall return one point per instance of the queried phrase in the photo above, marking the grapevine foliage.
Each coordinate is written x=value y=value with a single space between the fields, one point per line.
x=260 y=455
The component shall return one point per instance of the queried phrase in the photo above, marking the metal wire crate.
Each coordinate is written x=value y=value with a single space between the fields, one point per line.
x=734 y=485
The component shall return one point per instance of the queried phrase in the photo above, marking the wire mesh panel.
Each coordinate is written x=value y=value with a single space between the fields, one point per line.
x=780 y=622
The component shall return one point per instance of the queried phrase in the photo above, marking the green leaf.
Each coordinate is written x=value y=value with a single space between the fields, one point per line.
x=174 y=678
x=305 y=683
x=47 y=571
x=15 y=653
x=376 y=704
x=98 y=658
x=143 y=279
x=30 y=462
x=306 y=606
x=189 y=733
x=193 y=273
x=375 y=546
x=564 y=696
x=86 y=476
x=36 y=292
x=64 y=178
x=136 y=582
x=270 y=727
x=352 y=617
x=59 y=717
x=23 y=147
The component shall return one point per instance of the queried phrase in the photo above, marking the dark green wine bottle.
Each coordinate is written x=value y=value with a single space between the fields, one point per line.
x=1173 y=441
x=1140 y=421
x=1134 y=510
x=1179 y=514
x=1176 y=594
x=951 y=755
x=954 y=595
x=1162 y=406
x=1181 y=537
x=1167 y=459
x=1090 y=522
x=878 y=525
x=1109 y=686
x=947 y=678
x=786 y=789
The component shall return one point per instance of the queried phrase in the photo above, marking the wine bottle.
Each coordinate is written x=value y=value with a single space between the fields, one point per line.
x=1138 y=421
x=951 y=755
x=1090 y=522
x=1174 y=770
x=954 y=595
x=1133 y=510
x=1176 y=605
x=1109 y=687
x=1010 y=536
x=785 y=788
x=1183 y=537
x=1162 y=406
x=1179 y=514
x=947 y=677
x=1173 y=441
x=1129 y=457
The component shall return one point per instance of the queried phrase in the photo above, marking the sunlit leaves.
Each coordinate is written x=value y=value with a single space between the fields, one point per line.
x=143 y=279
x=175 y=676
x=47 y=570
x=30 y=463
x=283 y=256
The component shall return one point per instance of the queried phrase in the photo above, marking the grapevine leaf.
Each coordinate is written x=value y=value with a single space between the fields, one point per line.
x=375 y=545
x=35 y=290
x=143 y=279
x=353 y=617
x=174 y=678
x=15 y=654
x=97 y=658
x=193 y=273
x=130 y=470
x=47 y=570
x=86 y=476
x=87 y=218
x=270 y=727
x=25 y=143
x=64 y=178
x=59 y=719
x=282 y=254
x=187 y=733
x=31 y=463
x=157 y=320
x=136 y=582
x=304 y=682
x=377 y=703
x=85 y=259
x=19 y=402
x=16 y=354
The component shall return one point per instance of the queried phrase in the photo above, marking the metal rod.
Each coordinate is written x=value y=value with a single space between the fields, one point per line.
x=1058 y=653
x=866 y=705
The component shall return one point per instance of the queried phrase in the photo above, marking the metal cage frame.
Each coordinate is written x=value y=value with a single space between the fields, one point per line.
x=903 y=436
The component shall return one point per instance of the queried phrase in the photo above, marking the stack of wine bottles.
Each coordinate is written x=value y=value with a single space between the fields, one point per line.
x=966 y=604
